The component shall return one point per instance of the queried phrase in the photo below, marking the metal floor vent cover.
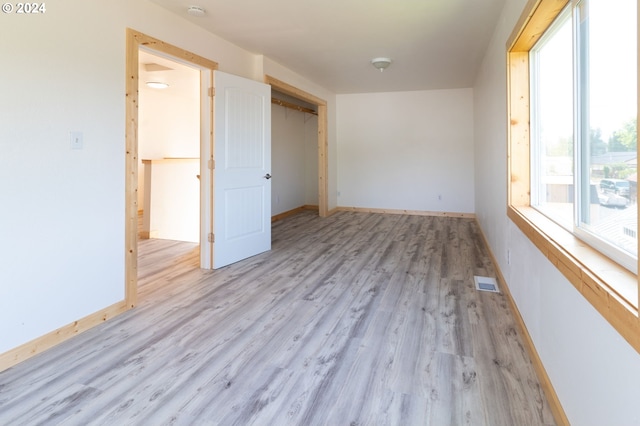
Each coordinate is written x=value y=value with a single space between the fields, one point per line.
x=486 y=284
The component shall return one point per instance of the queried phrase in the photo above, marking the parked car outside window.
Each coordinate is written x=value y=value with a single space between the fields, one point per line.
x=615 y=186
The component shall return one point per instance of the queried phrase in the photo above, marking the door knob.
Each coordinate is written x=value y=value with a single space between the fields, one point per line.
x=267 y=176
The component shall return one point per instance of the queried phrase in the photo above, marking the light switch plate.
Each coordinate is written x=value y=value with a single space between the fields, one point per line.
x=76 y=140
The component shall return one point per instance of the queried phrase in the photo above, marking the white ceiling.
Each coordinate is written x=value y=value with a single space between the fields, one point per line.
x=434 y=44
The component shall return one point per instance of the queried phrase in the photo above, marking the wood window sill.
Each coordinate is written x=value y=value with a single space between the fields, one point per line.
x=610 y=288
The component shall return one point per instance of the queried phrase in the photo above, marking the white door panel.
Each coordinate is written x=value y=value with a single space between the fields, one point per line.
x=242 y=193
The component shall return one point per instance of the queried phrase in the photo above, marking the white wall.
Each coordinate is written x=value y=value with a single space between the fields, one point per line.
x=311 y=160
x=287 y=159
x=168 y=120
x=593 y=370
x=294 y=159
x=406 y=150
x=62 y=215
x=172 y=199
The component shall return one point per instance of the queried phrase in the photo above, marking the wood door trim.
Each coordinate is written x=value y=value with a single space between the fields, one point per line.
x=135 y=40
x=281 y=86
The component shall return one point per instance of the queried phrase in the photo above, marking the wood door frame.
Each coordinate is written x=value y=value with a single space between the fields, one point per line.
x=321 y=104
x=135 y=40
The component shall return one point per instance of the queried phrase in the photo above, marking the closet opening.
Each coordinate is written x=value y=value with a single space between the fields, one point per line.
x=299 y=151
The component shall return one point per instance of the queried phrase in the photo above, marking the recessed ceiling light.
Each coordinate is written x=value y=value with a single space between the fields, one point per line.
x=157 y=84
x=196 y=11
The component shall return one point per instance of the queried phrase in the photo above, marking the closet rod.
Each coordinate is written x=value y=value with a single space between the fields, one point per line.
x=292 y=106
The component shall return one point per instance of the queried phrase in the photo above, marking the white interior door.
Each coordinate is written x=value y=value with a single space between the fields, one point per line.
x=242 y=179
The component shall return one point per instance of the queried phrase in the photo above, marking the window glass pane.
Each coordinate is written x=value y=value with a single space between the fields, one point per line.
x=552 y=156
x=607 y=70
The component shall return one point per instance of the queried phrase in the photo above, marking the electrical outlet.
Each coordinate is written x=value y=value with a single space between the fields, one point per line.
x=508 y=257
x=439 y=197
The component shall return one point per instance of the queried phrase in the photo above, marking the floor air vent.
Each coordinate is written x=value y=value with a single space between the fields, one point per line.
x=486 y=284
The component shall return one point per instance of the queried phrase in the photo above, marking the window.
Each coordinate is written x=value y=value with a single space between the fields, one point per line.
x=572 y=155
x=552 y=171
x=583 y=126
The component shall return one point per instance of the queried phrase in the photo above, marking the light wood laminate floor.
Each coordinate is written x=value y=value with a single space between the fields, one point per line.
x=355 y=319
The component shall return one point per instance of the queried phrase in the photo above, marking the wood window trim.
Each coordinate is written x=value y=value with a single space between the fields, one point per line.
x=589 y=271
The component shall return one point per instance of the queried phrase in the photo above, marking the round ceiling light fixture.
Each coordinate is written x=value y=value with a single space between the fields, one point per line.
x=157 y=84
x=196 y=11
x=381 y=63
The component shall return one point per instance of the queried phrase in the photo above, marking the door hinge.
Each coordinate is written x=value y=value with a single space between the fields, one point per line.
x=212 y=92
x=211 y=164
x=211 y=237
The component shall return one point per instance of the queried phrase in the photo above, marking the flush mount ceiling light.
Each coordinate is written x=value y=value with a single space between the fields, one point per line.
x=196 y=11
x=157 y=84
x=381 y=63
